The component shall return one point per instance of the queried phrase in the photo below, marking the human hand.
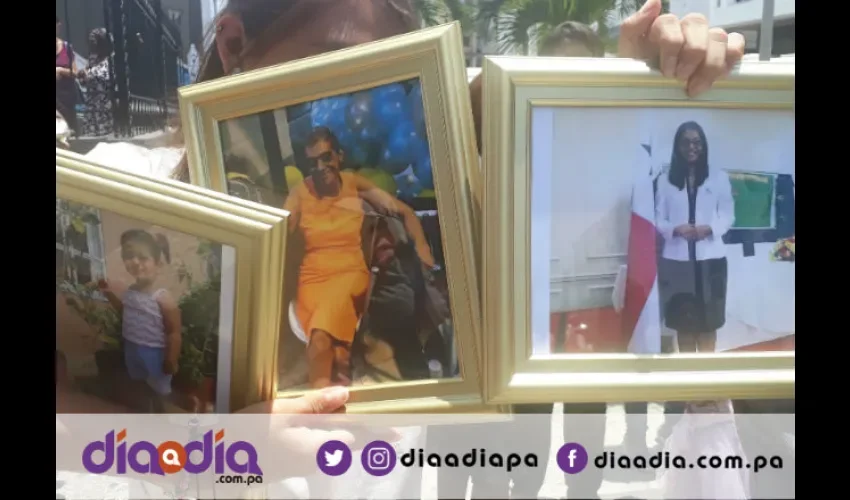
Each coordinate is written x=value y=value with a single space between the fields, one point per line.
x=299 y=443
x=103 y=285
x=702 y=232
x=169 y=367
x=685 y=231
x=425 y=256
x=60 y=72
x=686 y=49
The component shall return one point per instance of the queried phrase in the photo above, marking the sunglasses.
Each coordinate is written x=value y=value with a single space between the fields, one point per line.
x=313 y=163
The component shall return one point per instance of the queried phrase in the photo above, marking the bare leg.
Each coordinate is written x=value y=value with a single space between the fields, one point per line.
x=342 y=364
x=707 y=341
x=320 y=355
x=687 y=342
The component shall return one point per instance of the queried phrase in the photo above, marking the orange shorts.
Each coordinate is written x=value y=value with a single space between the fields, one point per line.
x=329 y=304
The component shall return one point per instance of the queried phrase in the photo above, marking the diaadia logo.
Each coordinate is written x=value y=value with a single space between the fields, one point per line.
x=195 y=457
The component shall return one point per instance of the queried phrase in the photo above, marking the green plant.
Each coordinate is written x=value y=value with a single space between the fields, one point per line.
x=73 y=221
x=199 y=309
x=86 y=301
x=512 y=19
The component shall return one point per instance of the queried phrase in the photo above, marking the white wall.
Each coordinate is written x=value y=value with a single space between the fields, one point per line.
x=584 y=161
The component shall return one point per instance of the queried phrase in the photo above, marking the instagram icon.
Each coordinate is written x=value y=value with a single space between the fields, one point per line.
x=378 y=458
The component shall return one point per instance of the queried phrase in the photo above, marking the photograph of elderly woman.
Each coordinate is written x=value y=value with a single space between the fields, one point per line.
x=137 y=312
x=366 y=293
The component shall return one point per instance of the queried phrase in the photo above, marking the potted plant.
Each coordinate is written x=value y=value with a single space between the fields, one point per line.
x=199 y=349
x=73 y=221
x=86 y=301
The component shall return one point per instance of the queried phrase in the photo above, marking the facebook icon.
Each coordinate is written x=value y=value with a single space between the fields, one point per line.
x=572 y=458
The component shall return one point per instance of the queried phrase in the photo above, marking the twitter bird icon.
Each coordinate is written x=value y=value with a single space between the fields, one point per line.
x=334 y=458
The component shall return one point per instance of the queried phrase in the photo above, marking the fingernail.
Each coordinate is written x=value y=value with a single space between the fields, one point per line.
x=668 y=67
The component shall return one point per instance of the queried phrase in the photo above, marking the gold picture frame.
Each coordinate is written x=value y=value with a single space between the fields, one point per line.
x=258 y=237
x=434 y=57
x=513 y=88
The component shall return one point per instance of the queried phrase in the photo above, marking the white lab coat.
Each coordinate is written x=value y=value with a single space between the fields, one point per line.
x=714 y=207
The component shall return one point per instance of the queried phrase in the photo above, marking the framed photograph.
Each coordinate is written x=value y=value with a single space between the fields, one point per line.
x=166 y=300
x=622 y=261
x=372 y=151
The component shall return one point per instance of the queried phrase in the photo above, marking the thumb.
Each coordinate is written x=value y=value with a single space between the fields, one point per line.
x=327 y=400
x=637 y=25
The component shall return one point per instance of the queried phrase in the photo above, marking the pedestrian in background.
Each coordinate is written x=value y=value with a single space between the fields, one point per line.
x=66 y=87
x=97 y=120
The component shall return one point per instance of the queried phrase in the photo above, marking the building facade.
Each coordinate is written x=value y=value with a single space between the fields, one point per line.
x=148 y=54
x=745 y=16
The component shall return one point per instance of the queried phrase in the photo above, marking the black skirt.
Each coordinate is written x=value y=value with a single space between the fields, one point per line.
x=693 y=294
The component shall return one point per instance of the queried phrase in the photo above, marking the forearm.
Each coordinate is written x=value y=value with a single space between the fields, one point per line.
x=721 y=224
x=114 y=301
x=666 y=229
x=64 y=71
x=173 y=343
x=414 y=228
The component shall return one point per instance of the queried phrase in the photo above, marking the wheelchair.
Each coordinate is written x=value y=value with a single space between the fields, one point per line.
x=437 y=346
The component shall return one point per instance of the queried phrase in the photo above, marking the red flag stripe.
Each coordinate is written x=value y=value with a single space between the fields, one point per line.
x=641 y=272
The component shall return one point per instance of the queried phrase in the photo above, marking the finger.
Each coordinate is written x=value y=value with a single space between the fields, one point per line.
x=634 y=29
x=327 y=400
x=695 y=47
x=714 y=66
x=735 y=45
x=666 y=34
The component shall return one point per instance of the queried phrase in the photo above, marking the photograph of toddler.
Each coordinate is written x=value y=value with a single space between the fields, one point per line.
x=137 y=311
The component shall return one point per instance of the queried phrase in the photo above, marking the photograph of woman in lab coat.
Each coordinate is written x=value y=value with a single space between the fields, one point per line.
x=694 y=209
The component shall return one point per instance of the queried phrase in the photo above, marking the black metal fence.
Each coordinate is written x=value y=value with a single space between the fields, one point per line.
x=144 y=65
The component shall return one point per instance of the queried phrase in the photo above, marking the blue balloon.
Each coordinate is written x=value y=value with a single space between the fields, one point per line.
x=370 y=132
x=391 y=162
x=298 y=110
x=392 y=90
x=392 y=110
x=339 y=103
x=360 y=154
x=408 y=185
x=300 y=128
x=422 y=166
x=405 y=131
x=359 y=112
x=400 y=149
x=324 y=114
x=347 y=139
x=417 y=107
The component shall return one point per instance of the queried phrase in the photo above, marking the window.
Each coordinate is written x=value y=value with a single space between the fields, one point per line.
x=79 y=244
x=175 y=15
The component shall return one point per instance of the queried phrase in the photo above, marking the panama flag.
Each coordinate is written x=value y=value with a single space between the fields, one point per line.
x=641 y=312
